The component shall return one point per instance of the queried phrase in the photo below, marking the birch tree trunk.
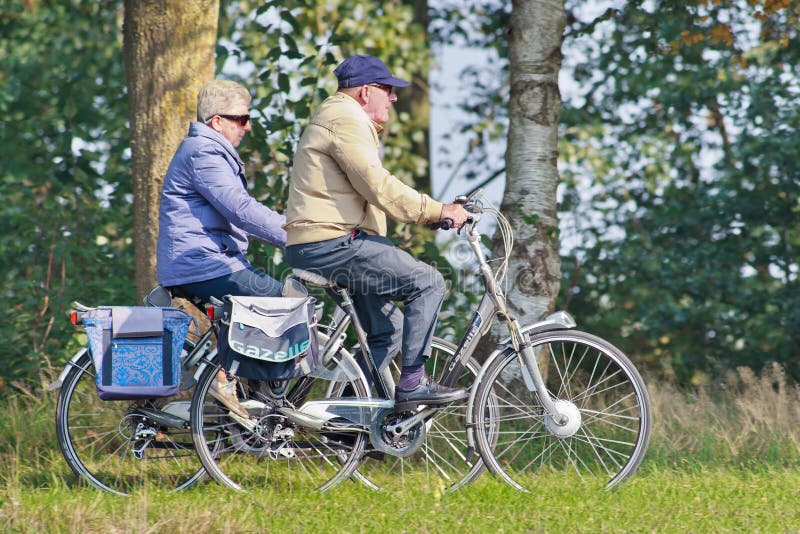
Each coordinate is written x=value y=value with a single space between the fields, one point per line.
x=529 y=202
x=169 y=55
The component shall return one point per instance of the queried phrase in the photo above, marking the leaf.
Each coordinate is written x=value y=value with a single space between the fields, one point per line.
x=283 y=82
x=288 y=17
x=274 y=53
x=290 y=43
x=301 y=109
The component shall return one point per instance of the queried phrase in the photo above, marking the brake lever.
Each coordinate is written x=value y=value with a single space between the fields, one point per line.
x=469 y=220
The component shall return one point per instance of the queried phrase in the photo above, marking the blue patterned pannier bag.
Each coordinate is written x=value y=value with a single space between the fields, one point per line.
x=269 y=338
x=136 y=350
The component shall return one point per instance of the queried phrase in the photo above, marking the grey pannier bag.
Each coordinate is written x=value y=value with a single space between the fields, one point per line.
x=269 y=338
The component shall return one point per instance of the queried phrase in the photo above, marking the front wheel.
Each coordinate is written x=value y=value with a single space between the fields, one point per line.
x=591 y=381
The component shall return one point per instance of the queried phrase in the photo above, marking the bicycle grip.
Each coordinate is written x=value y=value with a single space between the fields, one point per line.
x=444 y=224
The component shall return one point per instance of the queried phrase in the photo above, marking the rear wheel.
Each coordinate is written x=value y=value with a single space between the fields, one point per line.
x=120 y=446
x=592 y=382
x=269 y=449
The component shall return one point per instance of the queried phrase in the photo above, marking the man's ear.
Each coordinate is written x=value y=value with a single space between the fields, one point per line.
x=363 y=93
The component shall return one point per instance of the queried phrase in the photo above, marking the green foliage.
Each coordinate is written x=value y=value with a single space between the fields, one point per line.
x=63 y=174
x=680 y=163
x=285 y=52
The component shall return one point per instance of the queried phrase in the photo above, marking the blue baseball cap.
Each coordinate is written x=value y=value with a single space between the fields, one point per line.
x=363 y=70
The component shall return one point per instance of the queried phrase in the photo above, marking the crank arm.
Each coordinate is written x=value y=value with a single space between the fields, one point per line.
x=405 y=425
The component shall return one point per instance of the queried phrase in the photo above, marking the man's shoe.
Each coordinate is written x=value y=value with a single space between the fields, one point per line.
x=226 y=394
x=427 y=392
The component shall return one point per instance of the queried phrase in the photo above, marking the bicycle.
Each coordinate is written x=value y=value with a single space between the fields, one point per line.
x=316 y=432
x=119 y=446
x=325 y=435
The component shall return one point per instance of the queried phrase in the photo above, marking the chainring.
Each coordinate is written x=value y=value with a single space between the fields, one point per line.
x=397 y=445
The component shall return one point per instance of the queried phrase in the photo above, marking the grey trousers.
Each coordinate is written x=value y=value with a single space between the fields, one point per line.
x=378 y=274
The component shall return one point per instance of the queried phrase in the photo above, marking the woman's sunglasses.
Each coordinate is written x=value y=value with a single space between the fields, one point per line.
x=241 y=119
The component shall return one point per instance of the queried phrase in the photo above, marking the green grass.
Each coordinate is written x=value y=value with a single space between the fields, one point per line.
x=659 y=500
x=725 y=459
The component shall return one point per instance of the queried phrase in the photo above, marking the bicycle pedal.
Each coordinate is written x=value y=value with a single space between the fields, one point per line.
x=414 y=406
x=405 y=407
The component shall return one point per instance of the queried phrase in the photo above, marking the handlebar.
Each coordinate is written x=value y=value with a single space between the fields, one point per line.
x=447 y=224
x=444 y=224
x=470 y=205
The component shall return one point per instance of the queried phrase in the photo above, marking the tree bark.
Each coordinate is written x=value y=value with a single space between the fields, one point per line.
x=529 y=202
x=169 y=54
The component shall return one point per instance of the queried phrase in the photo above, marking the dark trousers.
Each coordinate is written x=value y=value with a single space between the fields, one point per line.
x=378 y=274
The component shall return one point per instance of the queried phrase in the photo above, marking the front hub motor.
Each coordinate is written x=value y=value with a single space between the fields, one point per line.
x=566 y=428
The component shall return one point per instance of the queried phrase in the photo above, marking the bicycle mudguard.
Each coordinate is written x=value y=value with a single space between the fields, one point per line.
x=73 y=362
x=559 y=320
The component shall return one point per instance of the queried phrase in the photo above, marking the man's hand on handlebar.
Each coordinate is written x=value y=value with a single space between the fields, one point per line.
x=455 y=213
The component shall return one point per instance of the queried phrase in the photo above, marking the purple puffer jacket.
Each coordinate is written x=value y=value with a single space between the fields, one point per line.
x=206 y=214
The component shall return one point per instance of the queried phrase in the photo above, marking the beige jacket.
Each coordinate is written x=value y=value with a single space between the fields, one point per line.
x=338 y=182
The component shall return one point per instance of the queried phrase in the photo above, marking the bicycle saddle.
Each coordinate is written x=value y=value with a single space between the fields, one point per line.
x=314 y=278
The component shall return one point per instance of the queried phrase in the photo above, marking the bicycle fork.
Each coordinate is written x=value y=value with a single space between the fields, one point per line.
x=532 y=376
x=558 y=411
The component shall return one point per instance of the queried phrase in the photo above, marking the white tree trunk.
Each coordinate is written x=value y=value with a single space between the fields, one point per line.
x=534 y=37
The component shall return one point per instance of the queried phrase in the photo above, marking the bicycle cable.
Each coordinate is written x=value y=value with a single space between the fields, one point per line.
x=506 y=235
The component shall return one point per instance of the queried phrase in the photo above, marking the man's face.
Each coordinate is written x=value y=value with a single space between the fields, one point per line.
x=230 y=125
x=379 y=100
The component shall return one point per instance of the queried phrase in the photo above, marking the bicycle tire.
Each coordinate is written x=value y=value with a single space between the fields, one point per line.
x=98 y=439
x=611 y=438
x=444 y=460
x=268 y=450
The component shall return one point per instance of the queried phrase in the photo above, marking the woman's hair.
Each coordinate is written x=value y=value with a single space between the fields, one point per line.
x=218 y=97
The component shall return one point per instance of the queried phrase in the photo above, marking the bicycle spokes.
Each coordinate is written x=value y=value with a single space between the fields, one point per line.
x=607 y=412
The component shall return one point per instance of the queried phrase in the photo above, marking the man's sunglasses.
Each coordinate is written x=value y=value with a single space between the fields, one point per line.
x=388 y=88
x=241 y=119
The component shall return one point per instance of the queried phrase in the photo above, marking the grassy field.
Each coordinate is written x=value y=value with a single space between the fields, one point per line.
x=659 y=500
x=725 y=459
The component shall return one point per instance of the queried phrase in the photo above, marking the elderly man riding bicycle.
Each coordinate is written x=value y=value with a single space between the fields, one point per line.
x=340 y=195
